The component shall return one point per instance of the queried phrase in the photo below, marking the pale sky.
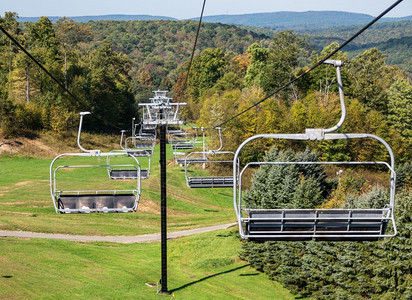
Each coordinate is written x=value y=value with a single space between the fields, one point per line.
x=181 y=9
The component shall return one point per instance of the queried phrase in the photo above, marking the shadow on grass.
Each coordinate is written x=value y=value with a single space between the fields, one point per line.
x=208 y=277
x=249 y=274
x=211 y=210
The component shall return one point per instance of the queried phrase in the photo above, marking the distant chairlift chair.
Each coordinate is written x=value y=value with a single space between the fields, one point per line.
x=180 y=156
x=141 y=147
x=184 y=140
x=116 y=172
x=127 y=172
x=174 y=130
x=209 y=181
x=146 y=130
x=88 y=201
x=207 y=158
x=318 y=224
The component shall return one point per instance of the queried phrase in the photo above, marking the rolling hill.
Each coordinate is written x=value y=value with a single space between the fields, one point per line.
x=302 y=21
x=298 y=21
x=101 y=18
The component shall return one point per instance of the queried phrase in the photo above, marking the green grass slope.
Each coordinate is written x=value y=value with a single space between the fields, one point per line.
x=26 y=204
x=205 y=266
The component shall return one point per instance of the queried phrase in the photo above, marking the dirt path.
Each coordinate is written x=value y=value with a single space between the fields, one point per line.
x=155 y=237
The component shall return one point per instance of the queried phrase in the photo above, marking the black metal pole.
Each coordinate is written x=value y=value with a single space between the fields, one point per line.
x=163 y=212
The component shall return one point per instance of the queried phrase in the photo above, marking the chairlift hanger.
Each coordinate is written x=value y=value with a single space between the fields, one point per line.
x=127 y=172
x=181 y=157
x=87 y=201
x=318 y=224
x=194 y=158
x=206 y=158
x=188 y=142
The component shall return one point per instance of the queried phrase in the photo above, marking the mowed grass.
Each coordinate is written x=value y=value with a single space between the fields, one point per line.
x=26 y=204
x=205 y=266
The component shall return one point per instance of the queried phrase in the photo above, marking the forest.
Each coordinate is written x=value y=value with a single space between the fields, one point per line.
x=109 y=68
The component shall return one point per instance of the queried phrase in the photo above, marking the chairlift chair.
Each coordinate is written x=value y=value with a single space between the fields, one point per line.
x=88 y=201
x=211 y=158
x=147 y=129
x=182 y=141
x=182 y=157
x=140 y=146
x=174 y=130
x=318 y=224
x=123 y=172
x=182 y=137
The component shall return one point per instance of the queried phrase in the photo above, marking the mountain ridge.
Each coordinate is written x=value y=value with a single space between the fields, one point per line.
x=110 y=17
x=308 y=20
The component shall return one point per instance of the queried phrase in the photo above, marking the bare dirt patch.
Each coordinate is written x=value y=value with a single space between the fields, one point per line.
x=22 y=183
x=146 y=205
x=12 y=203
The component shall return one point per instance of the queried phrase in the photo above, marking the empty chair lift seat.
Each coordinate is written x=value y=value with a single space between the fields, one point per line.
x=86 y=203
x=183 y=160
x=183 y=145
x=210 y=182
x=326 y=224
x=140 y=152
x=175 y=141
x=128 y=174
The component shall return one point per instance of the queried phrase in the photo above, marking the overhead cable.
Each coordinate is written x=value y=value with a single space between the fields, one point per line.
x=315 y=65
x=48 y=73
x=38 y=63
x=194 y=46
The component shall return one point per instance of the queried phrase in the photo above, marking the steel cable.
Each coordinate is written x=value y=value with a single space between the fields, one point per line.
x=314 y=66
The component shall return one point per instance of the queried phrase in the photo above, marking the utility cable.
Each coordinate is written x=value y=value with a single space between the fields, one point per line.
x=38 y=63
x=315 y=65
x=51 y=75
x=194 y=46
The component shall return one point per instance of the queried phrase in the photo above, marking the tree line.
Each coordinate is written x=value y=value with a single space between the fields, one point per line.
x=221 y=84
x=106 y=64
x=98 y=77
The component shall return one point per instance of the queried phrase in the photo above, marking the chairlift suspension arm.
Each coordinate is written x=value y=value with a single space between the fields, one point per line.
x=337 y=64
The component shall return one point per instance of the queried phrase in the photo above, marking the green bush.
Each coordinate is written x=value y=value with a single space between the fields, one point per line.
x=287 y=186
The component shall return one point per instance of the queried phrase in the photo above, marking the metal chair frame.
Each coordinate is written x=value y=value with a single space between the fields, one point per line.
x=318 y=224
x=93 y=198
x=209 y=181
x=139 y=146
x=121 y=172
x=87 y=201
x=279 y=223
